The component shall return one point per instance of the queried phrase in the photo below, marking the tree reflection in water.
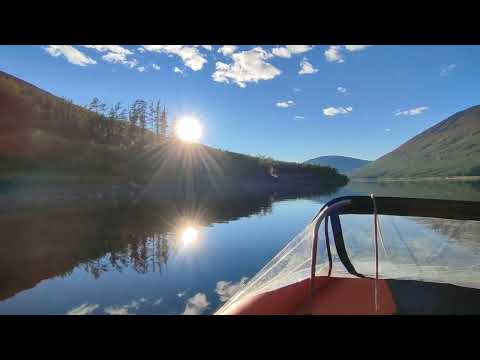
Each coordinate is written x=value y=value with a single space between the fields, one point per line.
x=38 y=245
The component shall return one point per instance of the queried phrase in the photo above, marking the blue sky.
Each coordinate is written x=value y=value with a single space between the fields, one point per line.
x=278 y=100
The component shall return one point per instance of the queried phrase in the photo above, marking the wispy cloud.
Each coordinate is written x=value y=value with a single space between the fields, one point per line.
x=73 y=55
x=196 y=305
x=356 y=47
x=306 y=67
x=445 y=70
x=299 y=117
x=182 y=294
x=123 y=309
x=411 y=112
x=157 y=302
x=297 y=90
x=248 y=66
x=335 y=53
x=288 y=50
x=119 y=59
x=155 y=66
x=117 y=49
x=84 y=309
x=388 y=130
x=226 y=289
x=341 y=90
x=115 y=54
x=178 y=70
x=141 y=68
x=285 y=104
x=190 y=55
x=333 y=111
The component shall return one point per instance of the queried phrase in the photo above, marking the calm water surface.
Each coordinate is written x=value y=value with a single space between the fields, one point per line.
x=158 y=260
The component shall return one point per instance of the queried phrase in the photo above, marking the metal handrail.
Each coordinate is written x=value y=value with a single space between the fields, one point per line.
x=324 y=212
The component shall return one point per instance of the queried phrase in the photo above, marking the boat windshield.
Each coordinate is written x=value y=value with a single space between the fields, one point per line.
x=441 y=248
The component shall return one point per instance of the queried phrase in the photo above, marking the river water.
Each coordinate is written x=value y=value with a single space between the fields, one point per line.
x=166 y=259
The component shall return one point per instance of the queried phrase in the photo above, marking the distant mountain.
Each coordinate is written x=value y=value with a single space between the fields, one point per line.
x=449 y=148
x=343 y=164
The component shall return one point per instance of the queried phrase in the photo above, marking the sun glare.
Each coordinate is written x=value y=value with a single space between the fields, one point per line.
x=188 y=129
x=189 y=235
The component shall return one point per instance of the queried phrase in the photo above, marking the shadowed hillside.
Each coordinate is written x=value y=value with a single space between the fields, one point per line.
x=43 y=135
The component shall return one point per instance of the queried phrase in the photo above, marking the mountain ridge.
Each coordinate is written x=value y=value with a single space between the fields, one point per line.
x=449 y=148
x=344 y=164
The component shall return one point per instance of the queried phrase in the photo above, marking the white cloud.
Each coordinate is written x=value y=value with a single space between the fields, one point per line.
x=72 y=54
x=227 y=50
x=411 y=112
x=388 y=130
x=178 y=70
x=297 y=90
x=445 y=70
x=156 y=67
x=114 y=57
x=333 y=54
x=208 y=47
x=116 y=49
x=117 y=310
x=306 y=67
x=356 y=47
x=182 y=294
x=141 y=68
x=281 y=52
x=248 y=66
x=196 y=305
x=285 y=104
x=124 y=309
x=332 y=111
x=117 y=58
x=289 y=50
x=299 y=117
x=226 y=289
x=342 y=90
x=84 y=309
x=190 y=55
x=115 y=54
x=141 y=50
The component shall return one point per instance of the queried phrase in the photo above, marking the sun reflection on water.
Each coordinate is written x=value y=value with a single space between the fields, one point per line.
x=189 y=235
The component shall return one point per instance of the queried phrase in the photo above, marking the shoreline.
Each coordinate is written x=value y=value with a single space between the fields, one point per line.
x=420 y=179
x=36 y=191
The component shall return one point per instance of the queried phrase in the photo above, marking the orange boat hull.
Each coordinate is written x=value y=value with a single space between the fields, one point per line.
x=332 y=296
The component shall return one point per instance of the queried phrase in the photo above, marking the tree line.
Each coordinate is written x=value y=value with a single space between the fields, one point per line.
x=24 y=106
x=129 y=125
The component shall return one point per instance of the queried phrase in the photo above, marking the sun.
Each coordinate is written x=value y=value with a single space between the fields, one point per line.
x=188 y=129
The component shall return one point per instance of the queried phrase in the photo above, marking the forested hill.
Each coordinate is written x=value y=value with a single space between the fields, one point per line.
x=40 y=132
x=449 y=148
